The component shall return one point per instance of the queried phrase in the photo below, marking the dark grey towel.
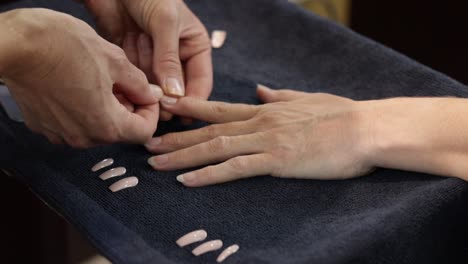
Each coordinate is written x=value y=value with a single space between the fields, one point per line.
x=387 y=217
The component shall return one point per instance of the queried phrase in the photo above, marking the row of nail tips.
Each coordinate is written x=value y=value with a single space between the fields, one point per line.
x=213 y=245
x=115 y=172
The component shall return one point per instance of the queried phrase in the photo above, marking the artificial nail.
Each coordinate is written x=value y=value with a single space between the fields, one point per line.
x=227 y=252
x=174 y=87
x=153 y=142
x=169 y=100
x=207 y=247
x=102 y=164
x=192 y=237
x=156 y=91
x=119 y=171
x=124 y=183
x=186 y=177
x=218 y=37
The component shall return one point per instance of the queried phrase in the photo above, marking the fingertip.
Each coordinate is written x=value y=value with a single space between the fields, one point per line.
x=265 y=93
x=165 y=116
x=156 y=91
x=189 y=179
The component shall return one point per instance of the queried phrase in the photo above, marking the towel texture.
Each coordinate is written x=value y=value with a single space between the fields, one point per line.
x=387 y=217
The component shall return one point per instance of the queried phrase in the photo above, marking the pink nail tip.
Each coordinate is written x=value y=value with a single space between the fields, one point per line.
x=102 y=164
x=124 y=183
x=206 y=247
x=218 y=37
x=119 y=171
x=192 y=237
x=227 y=252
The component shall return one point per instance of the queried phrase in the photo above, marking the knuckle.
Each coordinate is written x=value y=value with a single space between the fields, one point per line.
x=211 y=131
x=269 y=118
x=168 y=61
x=209 y=174
x=218 y=108
x=109 y=134
x=168 y=15
x=219 y=144
x=172 y=140
x=239 y=164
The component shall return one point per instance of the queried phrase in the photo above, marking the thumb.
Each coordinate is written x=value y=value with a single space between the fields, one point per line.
x=133 y=85
x=167 y=66
x=161 y=20
x=268 y=95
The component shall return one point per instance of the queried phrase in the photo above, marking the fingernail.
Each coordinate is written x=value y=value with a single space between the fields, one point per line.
x=168 y=100
x=187 y=177
x=153 y=142
x=158 y=160
x=174 y=87
x=156 y=91
x=260 y=86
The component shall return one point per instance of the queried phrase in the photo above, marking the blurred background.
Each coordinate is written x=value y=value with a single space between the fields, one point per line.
x=431 y=32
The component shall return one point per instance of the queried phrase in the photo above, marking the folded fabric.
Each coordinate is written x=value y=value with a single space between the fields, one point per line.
x=387 y=217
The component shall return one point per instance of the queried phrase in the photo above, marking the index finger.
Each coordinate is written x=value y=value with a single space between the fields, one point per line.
x=209 y=111
x=139 y=126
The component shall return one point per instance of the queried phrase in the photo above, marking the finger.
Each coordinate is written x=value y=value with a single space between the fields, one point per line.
x=166 y=60
x=216 y=150
x=54 y=138
x=199 y=75
x=139 y=127
x=186 y=121
x=132 y=83
x=106 y=14
x=268 y=95
x=130 y=47
x=165 y=115
x=175 y=141
x=125 y=102
x=213 y=112
x=234 y=169
x=145 y=53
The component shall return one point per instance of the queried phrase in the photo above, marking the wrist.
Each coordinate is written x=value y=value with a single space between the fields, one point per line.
x=412 y=134
x=388 y=131
x=21 y=31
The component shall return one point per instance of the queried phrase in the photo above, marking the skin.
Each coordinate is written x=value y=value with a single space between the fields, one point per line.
x=163 y=38
x=315 y=136
x=71 y=85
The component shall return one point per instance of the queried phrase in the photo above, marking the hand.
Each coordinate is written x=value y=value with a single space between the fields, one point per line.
x=295 y=134
x=164 y=39
x=75 y=87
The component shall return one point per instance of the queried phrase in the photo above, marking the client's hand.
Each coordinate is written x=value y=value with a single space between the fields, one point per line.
x=295 y=134
x=72 y=85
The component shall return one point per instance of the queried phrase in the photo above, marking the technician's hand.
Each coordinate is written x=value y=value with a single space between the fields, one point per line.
x=164 y=39
x=75 y=87
x=295 y=134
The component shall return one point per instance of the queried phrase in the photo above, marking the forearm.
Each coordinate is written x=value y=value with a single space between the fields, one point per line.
x=420 y=134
